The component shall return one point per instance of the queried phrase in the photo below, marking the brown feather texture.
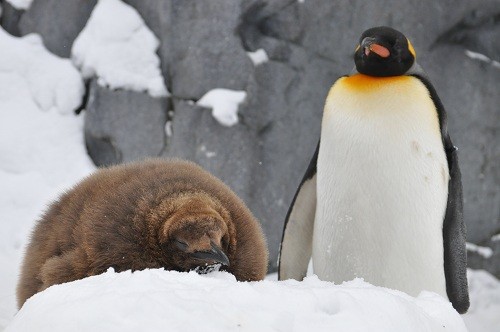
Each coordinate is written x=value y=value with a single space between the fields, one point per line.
x=167 y=214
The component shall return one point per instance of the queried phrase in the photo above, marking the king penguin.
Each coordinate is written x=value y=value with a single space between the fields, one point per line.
x=382 y=196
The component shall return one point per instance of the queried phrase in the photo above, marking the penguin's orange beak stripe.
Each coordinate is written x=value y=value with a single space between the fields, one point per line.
x=380 y=50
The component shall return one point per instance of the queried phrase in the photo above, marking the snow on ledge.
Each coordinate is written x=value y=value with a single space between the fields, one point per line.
x=158 y=300
x=118 y=48
x=224 y=104
x=481 y=57
x=485 y=252
x=258 y=57
x=20 y=4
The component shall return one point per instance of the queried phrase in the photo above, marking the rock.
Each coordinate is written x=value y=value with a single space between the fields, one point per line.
x=200 y=50
x=122 y=126
x=491 y=262
x=471 y=99
x=227 y=154
x=9 y=18
x=58 y=22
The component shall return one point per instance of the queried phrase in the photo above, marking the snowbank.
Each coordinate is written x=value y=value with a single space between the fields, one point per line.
x=118 y=48
x=224 y=104
x=158 y=300
x=41 y=146
x=484 y=311
x=51 y=82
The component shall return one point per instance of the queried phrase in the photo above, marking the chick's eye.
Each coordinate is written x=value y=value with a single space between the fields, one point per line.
x=180 y=244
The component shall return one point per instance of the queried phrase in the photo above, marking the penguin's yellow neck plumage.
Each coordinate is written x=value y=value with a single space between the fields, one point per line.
x=365 y=82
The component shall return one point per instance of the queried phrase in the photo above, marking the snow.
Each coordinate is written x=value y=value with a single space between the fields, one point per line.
x=27 y=60
x=158 y=300
x=20 y=4
x=41 y=145
x=495 y=237
x=484 y=311
x=118 y=48
x=485 y=252
x=482 y=58
x=224 y=104
x=258 y=57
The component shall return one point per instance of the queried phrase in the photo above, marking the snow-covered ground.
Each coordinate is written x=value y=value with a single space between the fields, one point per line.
x=42 y=153
x=157 y=300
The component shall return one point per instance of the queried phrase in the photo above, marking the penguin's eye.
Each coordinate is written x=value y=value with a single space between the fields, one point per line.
x=180 y=244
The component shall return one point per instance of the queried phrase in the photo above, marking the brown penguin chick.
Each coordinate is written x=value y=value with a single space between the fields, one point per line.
x=151 y=214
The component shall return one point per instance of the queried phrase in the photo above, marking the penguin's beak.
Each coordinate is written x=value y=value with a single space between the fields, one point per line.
x=370 y=45
x=215 y=254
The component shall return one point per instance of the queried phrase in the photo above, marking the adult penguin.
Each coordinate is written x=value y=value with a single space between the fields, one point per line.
x=382 y=196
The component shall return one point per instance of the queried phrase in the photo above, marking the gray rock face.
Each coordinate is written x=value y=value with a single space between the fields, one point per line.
x=310 y=45
x=489 y=263
x=200 y=49
x=9 y=20
x=123 y=126
x=58 y=22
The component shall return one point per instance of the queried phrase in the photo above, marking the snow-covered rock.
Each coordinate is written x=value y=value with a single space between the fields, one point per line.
x=117 y=47
x=158 y=300
x=224 y=104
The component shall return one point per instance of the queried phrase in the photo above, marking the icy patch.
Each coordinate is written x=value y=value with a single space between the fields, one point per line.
x=224 y=104
x=485 y=252
x=258 y=57
x=482 y=58
x=20 y=4
x=52 y=82
x=118 y=48
x=484 y=311
x=157 y=300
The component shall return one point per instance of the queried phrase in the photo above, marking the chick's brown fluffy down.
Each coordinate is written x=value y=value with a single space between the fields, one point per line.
x=152 y=214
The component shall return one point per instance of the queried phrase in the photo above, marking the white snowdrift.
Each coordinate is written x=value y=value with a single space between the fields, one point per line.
x=41 y=146
x=484 y=311
x=224 y=104
x=118 y=48
x=158 y=300
x=51 y=82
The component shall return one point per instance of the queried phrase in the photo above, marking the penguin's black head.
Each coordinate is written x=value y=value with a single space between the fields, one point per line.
x=383 y=51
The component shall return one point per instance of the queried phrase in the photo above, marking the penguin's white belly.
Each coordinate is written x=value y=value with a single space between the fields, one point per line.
x=382 y=186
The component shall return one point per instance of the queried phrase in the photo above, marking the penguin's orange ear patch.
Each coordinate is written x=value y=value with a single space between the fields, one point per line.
x=380 y=50
x=411 y=49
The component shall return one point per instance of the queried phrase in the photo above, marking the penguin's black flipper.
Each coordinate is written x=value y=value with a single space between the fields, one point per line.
x=296 y=243
x=454 y=233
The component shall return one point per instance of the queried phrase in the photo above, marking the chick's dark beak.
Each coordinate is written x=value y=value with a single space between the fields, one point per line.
x=370 y=45
x=215 y=254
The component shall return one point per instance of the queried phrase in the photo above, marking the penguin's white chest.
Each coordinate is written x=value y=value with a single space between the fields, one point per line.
x=382 y=186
